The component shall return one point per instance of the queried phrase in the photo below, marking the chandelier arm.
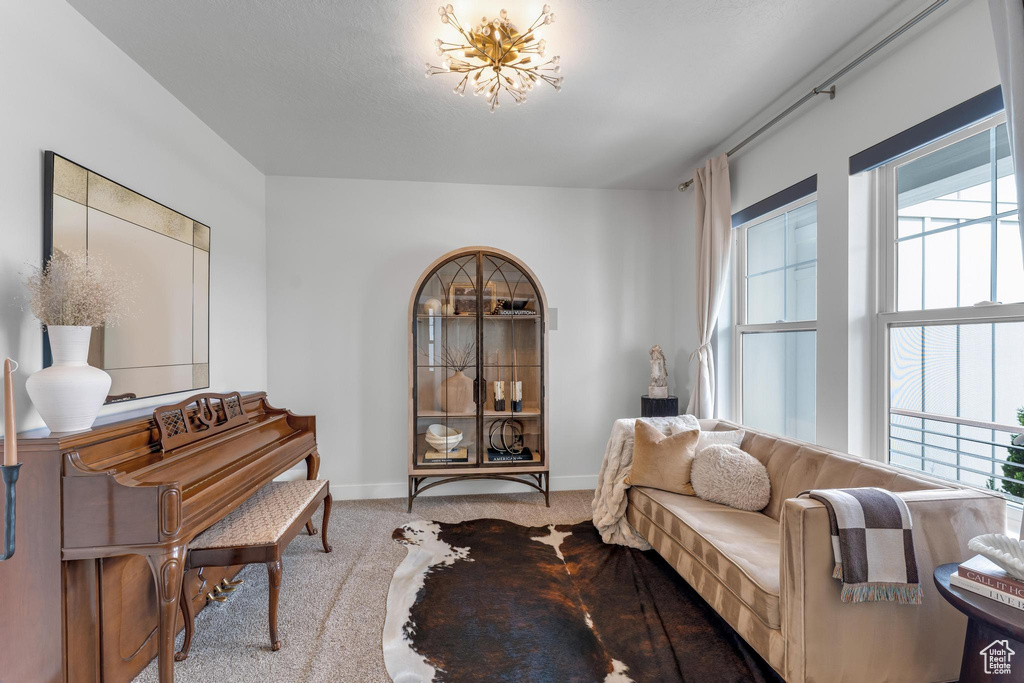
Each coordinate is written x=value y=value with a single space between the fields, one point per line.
x=469 y=41
x=513 y=45
x=483 y=86
x=454 y=21
x=532 y=69
x=537 y=22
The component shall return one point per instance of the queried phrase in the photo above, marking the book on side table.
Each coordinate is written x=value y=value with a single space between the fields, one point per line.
x=984 y=577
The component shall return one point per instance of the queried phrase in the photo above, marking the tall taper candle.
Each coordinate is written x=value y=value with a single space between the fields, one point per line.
x=10 y=431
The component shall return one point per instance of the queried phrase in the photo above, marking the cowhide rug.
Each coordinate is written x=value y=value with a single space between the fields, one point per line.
x=489 y=600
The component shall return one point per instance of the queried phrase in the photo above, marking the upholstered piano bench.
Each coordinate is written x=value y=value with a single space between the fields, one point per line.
x=258 y=530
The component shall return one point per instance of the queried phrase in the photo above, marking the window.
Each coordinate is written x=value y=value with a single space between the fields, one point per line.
x=952 y=321
x=776 y=311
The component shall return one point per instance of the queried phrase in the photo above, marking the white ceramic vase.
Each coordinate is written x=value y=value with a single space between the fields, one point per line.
x=69 y=393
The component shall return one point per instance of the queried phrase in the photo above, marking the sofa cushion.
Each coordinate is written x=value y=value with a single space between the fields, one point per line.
x=713 y=437
x=725 y=474
x=662 y=461
x=740 y=548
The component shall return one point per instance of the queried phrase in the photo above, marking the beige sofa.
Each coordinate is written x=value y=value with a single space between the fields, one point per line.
x=769 y=573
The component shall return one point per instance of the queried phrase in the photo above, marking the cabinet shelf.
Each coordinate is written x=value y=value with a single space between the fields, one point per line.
x=486 y=316
x=520 y=366
x=434 y=414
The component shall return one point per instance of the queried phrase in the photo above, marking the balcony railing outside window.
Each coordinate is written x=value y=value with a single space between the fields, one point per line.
x=968 y=451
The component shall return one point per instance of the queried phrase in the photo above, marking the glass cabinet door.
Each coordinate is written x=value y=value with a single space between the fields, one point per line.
x=512 y=354
x=446 y=331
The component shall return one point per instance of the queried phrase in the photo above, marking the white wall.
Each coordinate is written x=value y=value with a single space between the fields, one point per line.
x=344 y=256
x=65 y=87
x=946 y=60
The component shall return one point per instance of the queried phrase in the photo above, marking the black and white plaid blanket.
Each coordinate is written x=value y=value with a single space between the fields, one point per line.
x=873 y=544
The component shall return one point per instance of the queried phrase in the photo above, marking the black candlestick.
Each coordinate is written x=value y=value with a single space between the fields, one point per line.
x=9 y=473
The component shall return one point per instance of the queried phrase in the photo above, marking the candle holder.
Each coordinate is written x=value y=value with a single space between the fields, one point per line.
x=9 y=473
x=517 y=397
x=499 y=396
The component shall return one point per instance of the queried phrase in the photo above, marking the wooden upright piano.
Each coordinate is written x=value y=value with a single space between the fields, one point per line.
x=103 y=520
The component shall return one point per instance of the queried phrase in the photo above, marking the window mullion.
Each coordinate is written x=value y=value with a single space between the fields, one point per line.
x=785 y=264
x=994 y=239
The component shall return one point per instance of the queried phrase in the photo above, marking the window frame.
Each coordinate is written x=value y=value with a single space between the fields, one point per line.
x=739 y=300
x=889 y=223
x=888 y=317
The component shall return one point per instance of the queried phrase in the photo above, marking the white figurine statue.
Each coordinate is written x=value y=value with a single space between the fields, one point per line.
x=659 y=374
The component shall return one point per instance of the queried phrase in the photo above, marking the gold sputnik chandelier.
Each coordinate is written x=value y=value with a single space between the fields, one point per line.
x=495 y=56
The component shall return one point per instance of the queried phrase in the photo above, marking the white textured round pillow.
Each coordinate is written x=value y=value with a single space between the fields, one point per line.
x=725 y=474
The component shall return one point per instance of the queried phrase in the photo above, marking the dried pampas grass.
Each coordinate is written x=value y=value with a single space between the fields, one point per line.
x=75 y=289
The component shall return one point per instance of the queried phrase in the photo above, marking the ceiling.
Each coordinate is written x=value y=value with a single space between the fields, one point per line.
x=336 y=88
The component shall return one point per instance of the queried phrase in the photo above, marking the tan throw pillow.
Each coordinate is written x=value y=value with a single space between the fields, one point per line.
x=662 y=462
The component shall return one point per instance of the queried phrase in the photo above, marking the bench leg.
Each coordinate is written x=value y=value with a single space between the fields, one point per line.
x=189 y=615
x=274 y=574
x=312 y=469
x=328 y=501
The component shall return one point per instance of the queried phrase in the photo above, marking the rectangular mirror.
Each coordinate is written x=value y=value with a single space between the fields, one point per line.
x=164 y=346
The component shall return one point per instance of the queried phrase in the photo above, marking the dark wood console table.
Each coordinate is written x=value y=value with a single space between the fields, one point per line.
x=989 y=622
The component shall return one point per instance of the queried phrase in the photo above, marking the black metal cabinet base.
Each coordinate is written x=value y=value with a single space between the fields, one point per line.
x=659 y=407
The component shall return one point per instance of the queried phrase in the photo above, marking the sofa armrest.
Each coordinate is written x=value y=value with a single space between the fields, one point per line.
x=828 y=640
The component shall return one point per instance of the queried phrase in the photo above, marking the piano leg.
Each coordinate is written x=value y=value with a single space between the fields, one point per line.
x=168 y=571
x=189 y=615
x=312 y=470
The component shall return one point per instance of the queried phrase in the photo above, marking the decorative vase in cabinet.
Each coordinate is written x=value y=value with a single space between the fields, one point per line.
x=456 y=394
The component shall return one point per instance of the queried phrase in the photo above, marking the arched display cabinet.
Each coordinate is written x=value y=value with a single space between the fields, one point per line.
x=478 y=372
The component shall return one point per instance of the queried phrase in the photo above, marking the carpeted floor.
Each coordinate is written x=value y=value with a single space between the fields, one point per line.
x=333 y=606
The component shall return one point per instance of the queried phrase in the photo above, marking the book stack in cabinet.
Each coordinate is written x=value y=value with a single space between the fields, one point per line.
x=478 y=373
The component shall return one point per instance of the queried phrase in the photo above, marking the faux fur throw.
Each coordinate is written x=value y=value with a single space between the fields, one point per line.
x=609 y=503
x=873 y=544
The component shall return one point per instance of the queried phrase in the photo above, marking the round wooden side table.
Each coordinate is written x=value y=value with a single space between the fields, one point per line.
x=994 y=630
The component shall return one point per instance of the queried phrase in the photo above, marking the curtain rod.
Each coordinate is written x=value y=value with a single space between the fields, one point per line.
x=828 y=86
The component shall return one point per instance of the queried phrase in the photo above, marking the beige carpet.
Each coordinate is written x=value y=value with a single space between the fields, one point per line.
x=332 y=606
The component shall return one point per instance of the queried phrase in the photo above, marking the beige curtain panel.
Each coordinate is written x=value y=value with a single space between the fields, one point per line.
x=1008 y=30
x=714 y=228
